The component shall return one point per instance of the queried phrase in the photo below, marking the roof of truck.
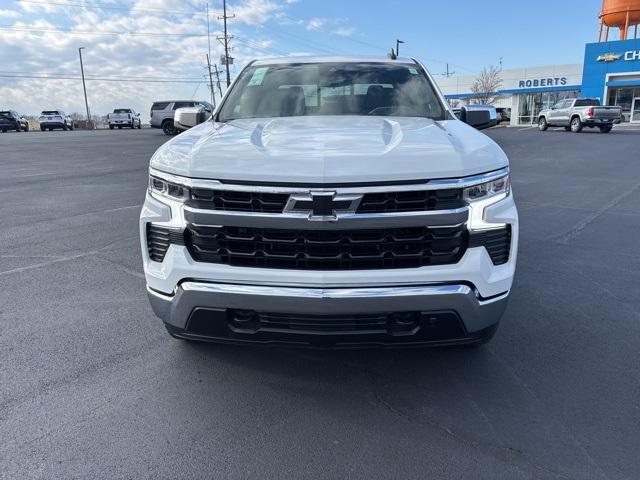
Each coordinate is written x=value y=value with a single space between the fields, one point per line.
x=330 y=59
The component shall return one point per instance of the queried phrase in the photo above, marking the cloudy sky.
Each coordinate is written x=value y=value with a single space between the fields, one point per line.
x=139 y=51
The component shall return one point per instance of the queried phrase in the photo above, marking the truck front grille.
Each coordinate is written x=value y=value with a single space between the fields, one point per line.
x=378 y=202
x=246 y=201
x=412 y=201
x=327 y=250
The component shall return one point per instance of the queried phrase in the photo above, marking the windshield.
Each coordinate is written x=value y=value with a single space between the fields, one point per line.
x=294 y=90
x=5 y=114
x=50 y=112
x=122 y=110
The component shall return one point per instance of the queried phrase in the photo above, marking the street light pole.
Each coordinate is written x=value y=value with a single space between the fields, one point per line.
x=84 y=87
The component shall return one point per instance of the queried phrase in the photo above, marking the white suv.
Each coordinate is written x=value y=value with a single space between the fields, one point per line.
x=331 y=202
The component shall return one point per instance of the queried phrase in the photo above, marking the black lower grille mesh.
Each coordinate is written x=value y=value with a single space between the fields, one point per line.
x=497 y=242
x=159 y=238
x=327 y=250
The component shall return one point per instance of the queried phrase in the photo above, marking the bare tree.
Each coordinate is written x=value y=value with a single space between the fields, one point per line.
x=485 y=87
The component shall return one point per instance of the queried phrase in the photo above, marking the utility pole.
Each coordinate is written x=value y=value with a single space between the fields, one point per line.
x=218 y=79
x=225 y=39
x=213 y=96
x=84 y=87
x=208 y=30
x=448 y=73
x=398 y=42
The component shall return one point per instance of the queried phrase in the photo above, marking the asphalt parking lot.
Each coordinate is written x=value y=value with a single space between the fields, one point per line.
x=93 y=387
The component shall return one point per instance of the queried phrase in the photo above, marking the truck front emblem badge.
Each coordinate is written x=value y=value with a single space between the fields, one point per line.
x=322 y=206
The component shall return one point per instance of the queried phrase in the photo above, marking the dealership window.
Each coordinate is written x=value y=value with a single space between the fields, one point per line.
x=623 y=97
x=530 y=105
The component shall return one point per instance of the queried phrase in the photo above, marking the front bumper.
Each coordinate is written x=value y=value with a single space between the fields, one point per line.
x=440 y=314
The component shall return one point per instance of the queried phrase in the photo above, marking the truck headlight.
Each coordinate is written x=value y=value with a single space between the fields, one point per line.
x=482 y=195
x=174 y=191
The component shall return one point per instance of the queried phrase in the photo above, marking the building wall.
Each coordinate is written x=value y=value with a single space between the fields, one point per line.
x=519 y=80
x=610 y=64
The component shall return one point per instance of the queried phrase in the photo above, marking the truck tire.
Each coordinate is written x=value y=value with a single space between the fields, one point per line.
x=542 y=124
x=606 y=129
x=168 y=128
x=576 y=125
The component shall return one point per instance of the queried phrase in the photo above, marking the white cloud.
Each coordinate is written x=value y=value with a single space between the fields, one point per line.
x=344 y=31
x=9 y=14
x=316 y=24
x=130 y=57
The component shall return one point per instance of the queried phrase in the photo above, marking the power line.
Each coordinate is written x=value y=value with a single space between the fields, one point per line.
x=115 y=77
x=94 y=79
x=137 y=34
x=105 y=6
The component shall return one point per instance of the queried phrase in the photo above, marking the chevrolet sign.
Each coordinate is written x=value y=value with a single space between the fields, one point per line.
x=609 y=57
x=629 y=56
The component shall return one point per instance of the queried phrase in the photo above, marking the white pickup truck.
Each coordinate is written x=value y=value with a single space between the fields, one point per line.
x=124 y=117
x=331 y=201
x=576 y=113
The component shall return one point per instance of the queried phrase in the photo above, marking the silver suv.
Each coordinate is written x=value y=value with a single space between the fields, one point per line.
x=162 y=113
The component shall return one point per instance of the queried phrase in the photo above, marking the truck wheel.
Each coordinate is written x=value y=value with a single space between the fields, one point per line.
x=576 y=125
x=542 y=124
x=606 y=129
x=168 y=128
x=111 y=127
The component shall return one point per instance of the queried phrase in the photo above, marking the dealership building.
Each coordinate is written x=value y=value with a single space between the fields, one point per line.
x=610 y=72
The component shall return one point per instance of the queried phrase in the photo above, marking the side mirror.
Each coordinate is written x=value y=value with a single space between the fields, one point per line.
x=188 y=117
x=479 y=116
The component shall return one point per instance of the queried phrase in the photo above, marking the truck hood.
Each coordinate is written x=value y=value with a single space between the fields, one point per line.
x=329 y=150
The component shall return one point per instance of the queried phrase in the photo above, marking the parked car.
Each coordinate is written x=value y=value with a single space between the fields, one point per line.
x=12 y=120
x=504 y=114
x=52 y=119
x=576 y=113
x=333 y=202
x=162 y=113
x=124 y=117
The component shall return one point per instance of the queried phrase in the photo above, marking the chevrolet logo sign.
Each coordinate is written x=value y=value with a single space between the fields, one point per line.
x=322 y=206
x=609 y=57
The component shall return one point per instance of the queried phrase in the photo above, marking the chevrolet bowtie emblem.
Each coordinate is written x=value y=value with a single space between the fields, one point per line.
x=609 y=57
x=322 y=206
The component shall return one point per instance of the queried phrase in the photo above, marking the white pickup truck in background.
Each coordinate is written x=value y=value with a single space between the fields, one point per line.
x=124 y=117
x=576 y=113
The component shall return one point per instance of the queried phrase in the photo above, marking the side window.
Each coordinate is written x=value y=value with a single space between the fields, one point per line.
x=177 y=105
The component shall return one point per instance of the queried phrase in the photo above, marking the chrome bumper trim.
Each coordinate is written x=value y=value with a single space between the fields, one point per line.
x=436 y=218
x=476 y=314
